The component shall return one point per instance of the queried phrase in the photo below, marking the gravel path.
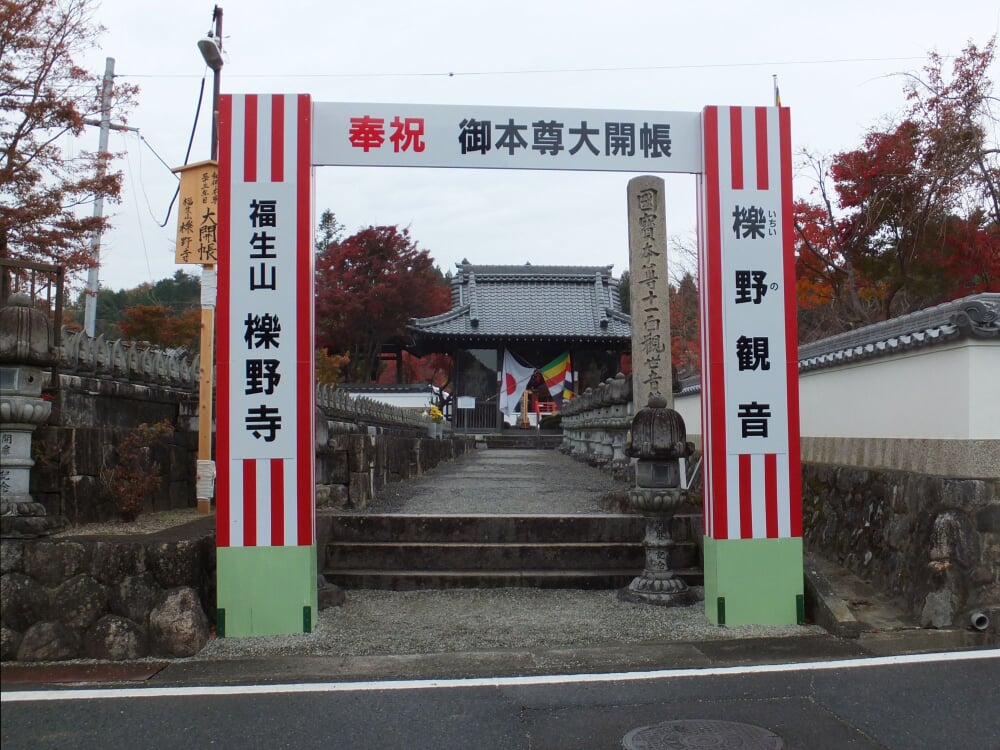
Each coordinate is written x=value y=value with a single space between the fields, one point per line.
x=456 y=620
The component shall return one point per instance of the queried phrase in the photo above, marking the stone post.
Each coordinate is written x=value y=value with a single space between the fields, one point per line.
x=25 y=348
x=658 y=439
x=647 y=242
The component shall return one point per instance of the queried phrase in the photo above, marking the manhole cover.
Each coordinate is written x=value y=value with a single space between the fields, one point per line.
x=685 y=734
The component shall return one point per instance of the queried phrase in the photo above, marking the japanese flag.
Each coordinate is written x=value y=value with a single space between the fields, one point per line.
x=513 y=380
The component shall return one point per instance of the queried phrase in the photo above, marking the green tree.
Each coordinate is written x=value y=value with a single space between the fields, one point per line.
x=178 y=298
x=330 y=231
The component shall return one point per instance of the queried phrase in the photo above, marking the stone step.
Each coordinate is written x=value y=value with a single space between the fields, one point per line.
x=413 y=580
x=489 y=528
x=628 y=556
x=522 y=440
x=414 y=551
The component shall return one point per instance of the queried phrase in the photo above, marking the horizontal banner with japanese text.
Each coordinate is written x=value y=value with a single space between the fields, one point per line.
x=421 y=135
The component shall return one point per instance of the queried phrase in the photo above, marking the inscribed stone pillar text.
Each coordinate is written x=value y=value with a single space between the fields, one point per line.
x=647 y=240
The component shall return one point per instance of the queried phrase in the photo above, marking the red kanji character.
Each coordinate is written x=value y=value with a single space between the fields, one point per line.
x=407 y=133
x=367 y=132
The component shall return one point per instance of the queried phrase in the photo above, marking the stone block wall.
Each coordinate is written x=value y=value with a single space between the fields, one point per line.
x=126 y=597
x=109 y=598
x=354 y=463
x=70 y=461
x=931 y=541
x=91 y=413
x=595 y=425
x=371 y=444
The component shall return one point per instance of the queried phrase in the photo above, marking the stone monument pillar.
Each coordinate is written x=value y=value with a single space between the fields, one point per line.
x=657 y=436
x=647 y=242
x=25 y=348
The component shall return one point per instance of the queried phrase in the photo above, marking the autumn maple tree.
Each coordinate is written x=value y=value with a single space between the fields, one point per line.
x=368 y=286
x=685 y=333
x=159 y=326
x=911 y=218
x=44 y=94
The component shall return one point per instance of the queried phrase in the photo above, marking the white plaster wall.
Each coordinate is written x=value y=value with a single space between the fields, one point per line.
x=937 y=392
x=949 y=392
x=689 y=407
x=984 y=384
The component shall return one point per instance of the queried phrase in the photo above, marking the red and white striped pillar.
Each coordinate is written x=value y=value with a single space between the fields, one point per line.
x=265 y=514
x=750 y=419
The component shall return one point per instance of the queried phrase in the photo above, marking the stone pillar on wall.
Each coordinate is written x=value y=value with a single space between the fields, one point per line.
x=25 y=348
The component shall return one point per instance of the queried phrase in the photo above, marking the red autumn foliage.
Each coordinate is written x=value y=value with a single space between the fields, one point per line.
x=685 y=333
x=431 y=368
x=45 y=196
x=911 y=218
x=156 y=325
x=368 y=286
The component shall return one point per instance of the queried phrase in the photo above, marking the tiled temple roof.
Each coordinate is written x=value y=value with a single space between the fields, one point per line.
x=491 y=304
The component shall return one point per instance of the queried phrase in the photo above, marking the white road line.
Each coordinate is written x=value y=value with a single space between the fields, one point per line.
x=27 y=696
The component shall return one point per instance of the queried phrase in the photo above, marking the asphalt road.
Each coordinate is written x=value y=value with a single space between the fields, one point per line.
x=947 y=701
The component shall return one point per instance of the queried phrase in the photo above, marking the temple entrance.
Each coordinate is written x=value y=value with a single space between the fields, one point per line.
x=536 y=314
x=269 y=145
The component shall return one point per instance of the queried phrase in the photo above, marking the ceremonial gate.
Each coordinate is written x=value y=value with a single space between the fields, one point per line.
x=269 y=145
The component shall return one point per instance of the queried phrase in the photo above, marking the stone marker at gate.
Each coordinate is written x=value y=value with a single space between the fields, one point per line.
x=647 y=244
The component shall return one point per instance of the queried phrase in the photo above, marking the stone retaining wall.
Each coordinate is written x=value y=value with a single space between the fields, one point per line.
x=933 y=542
x=353 y=462
x=119 y=386
x=107 y=598
x=70 y=461
x=122 y=597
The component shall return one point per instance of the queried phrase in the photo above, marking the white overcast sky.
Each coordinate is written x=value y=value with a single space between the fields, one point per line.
x=837 y=65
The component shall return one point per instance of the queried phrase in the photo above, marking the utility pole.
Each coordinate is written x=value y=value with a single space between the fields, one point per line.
x=90 y=309
x=216 y=77
x=211 y=50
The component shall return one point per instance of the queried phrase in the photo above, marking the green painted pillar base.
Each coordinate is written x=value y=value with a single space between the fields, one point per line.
x=754 y=581
x=266 y=590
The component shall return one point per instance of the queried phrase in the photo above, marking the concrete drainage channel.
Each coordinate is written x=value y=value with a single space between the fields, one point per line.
x=723 y=735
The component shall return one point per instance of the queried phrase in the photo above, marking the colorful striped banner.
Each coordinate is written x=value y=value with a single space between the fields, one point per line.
x=558 y=376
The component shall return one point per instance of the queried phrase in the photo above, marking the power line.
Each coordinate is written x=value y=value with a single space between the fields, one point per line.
x=142 y=183
x=153 y=151
x=187 y=155
x=142 y=234
x=549 y=71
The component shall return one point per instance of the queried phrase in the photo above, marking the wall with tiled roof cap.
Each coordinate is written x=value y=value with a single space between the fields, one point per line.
x=916 y=393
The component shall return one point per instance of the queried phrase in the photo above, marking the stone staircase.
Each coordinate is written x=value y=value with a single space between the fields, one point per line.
x=407 y=552
x=521 y=439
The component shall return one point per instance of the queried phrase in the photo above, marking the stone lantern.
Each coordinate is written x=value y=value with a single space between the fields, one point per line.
x=25 y=348
x=658 y=439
